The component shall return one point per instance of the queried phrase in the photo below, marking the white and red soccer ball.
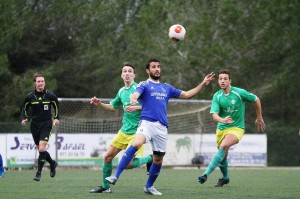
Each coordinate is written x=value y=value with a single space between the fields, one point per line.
x=177 y=32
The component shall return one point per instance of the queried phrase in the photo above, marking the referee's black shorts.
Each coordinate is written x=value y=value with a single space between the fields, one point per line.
x=41 y=130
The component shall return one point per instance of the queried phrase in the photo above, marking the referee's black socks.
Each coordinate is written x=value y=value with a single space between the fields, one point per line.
x=48 y=158
x=41 y=161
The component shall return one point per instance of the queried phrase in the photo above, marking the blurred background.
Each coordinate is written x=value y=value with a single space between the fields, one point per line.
x=79 y=45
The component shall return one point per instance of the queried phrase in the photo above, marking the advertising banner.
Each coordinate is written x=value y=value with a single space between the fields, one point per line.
x=88 y=149
x=72 y=149
x=251 y=151
x=3 y=148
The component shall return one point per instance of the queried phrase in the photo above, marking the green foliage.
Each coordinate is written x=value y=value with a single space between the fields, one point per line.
x=283 y=144
x=80 y=45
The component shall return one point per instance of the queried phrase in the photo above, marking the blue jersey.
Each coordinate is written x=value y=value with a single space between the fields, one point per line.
x=154 y=98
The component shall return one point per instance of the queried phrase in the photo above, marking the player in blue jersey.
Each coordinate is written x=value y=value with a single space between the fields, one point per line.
x=153 y=125
x=126 y=134
x=2 y=171
x=228 y=109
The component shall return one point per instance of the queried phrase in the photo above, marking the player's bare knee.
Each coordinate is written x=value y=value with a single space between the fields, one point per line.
x=158 y=157
x=137 y=145
x=108 y=159
x=41 y=148
x=224 y=146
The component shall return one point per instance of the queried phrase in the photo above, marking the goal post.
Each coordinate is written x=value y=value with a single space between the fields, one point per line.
x=77 y=115
x=90 y=128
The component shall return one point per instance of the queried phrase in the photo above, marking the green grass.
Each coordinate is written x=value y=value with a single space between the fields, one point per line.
x=173 y=183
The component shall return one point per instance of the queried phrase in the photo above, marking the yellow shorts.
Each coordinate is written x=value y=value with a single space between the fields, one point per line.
x=238 y=132
x=123 y=141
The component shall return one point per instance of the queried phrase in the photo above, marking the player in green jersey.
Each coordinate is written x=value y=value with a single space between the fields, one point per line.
x=228 y=109
x=126 y=134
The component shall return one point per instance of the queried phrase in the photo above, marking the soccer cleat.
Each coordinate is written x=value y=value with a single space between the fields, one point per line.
x=100 y=189
x=149 y=165
x=2 y=174
x=52 y=169
x=111 y=179
x=152 y=191
x=222 y=182
x=37 y=176
x=202 y=179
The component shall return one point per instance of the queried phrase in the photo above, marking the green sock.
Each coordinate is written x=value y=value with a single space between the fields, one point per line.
x=218 y=157
x=106 y=171
x=224 y=168
x=136 y=162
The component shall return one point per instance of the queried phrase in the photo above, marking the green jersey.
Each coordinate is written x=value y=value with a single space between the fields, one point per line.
x=130 y=119
x=233 y=105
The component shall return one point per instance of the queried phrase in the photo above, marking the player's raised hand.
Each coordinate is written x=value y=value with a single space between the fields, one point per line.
x=95 y=101
x=208 y=78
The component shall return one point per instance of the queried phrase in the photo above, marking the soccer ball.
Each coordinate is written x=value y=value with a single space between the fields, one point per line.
x=177 y=32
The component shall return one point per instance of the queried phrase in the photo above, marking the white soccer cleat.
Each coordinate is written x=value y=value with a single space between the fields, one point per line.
x=152 y=191
x=111 y=179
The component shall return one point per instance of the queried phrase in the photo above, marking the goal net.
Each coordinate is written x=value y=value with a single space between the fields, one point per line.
x=77 y=115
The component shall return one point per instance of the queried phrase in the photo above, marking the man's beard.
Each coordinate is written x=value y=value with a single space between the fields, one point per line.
x=154 y=77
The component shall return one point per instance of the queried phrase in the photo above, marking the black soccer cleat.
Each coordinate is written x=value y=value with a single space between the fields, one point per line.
x=100 y=189
x=38 y=176
x=202 y=179
x=222 y=182
x=148 y=165
x=53 y=169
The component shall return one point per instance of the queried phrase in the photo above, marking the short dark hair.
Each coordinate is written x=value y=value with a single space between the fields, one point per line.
x=151 y=60
x=127 y=64
x=225 y=71
x=37 y=75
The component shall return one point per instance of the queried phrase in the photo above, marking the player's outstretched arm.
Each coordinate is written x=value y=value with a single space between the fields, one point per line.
x=133 y=108
x=191 y=93
x=259 y=122
x=134 y=98
x=97 y=102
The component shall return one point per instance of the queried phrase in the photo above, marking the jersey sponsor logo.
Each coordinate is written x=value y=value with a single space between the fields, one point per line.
x=231 y=110
x=159 y=96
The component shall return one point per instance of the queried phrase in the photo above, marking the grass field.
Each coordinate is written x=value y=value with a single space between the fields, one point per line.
x=173 y=183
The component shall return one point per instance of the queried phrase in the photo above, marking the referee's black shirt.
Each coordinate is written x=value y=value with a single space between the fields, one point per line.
x=40 y=103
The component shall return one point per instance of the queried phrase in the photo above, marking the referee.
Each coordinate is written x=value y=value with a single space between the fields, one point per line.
x=40 y=101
